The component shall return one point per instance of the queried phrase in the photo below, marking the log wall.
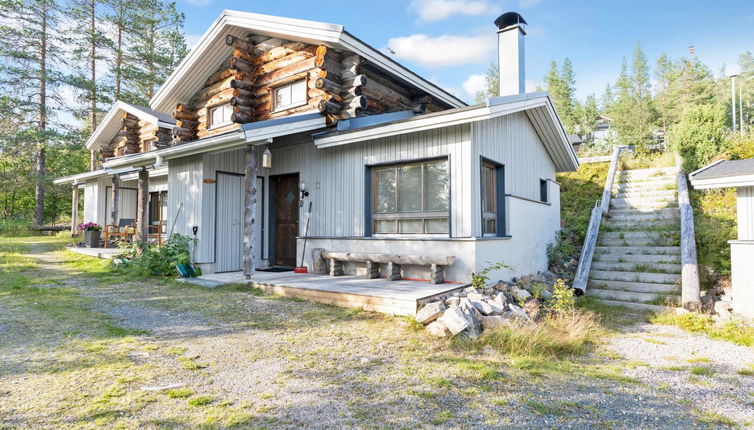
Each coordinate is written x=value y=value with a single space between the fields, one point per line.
x=136 y=136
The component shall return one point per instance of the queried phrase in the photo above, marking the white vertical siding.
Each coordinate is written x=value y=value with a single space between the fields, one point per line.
x=336 y=176
x=745 y=209
x=185 y=190
x=510 y=140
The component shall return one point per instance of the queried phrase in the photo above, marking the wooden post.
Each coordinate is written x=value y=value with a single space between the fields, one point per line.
x=581 y=278
x=75 y=210
x=608 y=190
x=250 y=210
x=114 y=191
x=142 y=206
x=690 y=298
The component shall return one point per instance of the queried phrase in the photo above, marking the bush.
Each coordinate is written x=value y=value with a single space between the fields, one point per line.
x=479 y=280
x=557 y=334
x=699 y=135
x=160 y=260
x=14 y=227
x=563 y=297
x=714 y=225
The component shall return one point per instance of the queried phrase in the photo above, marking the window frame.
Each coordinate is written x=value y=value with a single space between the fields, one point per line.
x=488 y=215
x=372 y=217
x=544 y=192
x=275 y=90
x=499 y=198
x=210 y=124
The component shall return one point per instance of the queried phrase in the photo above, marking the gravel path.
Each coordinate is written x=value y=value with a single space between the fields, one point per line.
x=301 y=365
x=692 y=366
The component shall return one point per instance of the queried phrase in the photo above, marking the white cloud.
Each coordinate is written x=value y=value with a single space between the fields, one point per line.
x=442 y=51
x=473 y=84
x=531 y=86
x=434 y=10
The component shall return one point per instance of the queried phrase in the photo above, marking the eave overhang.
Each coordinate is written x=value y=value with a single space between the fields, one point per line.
x=113 y=121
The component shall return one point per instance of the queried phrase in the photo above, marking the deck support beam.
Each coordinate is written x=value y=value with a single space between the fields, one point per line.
x=75 y=210
x=250 y=210
x=142 y=205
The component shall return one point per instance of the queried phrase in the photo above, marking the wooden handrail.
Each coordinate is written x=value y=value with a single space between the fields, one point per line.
x=690 y=297
x=590 y=241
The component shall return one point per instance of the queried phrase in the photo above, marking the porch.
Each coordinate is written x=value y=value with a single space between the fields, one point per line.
x=378 y=295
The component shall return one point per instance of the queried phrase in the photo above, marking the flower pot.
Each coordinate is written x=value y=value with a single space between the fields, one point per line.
x=91 y=238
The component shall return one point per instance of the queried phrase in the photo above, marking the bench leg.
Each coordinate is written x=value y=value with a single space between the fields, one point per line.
x=373 y=270
x=319 y=263
x=336 y=268
x=438 y=274
x=393 y=272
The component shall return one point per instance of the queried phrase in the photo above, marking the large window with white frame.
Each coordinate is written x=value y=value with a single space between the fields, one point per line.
x=290 y=95
x=411 y=198
x=220 y=116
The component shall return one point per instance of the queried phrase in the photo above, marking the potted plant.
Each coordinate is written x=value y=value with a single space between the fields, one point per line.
x=91 y=231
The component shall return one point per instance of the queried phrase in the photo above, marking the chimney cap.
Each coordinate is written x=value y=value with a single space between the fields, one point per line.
x=509 y=18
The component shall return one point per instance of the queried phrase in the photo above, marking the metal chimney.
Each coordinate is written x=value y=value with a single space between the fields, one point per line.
x=510 y=46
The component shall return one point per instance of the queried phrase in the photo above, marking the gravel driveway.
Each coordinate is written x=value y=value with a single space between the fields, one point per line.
x=249 y=360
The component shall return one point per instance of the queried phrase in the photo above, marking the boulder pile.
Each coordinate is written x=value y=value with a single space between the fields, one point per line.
x=471 y=310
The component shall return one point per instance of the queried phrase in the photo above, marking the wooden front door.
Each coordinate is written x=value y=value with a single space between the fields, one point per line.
x=285 y=206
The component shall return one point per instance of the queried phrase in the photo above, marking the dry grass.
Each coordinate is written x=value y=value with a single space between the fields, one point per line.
x=558 y=335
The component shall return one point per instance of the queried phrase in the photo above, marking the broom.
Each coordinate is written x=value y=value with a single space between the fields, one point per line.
x=301 y=268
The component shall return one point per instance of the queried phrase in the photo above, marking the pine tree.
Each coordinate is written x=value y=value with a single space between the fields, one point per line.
x=643 y=108
x=121 y=18
x=491 y=84
x=30 y=49
x=155 y=48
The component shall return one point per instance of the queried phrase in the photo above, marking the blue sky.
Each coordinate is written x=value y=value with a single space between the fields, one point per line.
x=450 y=41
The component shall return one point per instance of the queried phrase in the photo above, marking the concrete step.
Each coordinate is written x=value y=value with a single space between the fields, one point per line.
x=637 y=259
x=632 y=186
x=639 y=241
x=646 y=205
x=636 y=278
x=669 y=212
x=666 y=215
x=643 y=199
x=636 y=306
x=638 y=250
x=629 y=225
x=648 y=234
x=648 y=193
x=646 y=266
x=651 y=172
x=632 y=296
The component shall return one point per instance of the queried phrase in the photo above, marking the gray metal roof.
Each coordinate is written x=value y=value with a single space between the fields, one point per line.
x=725 y=169
x=162 y=116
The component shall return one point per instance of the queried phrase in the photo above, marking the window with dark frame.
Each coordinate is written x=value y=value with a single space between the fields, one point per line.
x=543 y=190
x=489 y=199
x=411 y=198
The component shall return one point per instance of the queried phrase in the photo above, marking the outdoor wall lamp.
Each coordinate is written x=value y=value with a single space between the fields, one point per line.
x=267 y=158
x=303 y=188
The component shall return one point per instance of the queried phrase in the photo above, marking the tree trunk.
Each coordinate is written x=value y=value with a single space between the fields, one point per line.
x=93 y=77
x=119 y=50
x=250 y=210
x=39 y=192
x=75 y=210
x=142 y=229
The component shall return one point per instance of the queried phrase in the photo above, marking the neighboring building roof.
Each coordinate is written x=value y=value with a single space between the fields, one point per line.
x=603 y=117
x=211 y=51
x=575 y=139
x=537 y=106
x=724 y=173
x=113 y=121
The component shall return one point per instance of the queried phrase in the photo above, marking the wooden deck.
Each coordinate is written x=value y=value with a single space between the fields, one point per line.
x=378 y=295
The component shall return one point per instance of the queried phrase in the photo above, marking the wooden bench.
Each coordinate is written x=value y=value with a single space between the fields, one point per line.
x=394 y=262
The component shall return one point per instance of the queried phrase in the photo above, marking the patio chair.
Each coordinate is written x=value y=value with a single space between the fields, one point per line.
x=124 y=230
x=156 y=231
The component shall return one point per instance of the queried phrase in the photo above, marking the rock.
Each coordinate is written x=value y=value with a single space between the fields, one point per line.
x=518 y=311
x=492 y=322
x=501 y=286
x=497 y=308
x=574 y=262
x=430 y=312
x=469 y=290
x=723 y=309
x=545 y=294
x=452 y=301
x=483 y=307
x=454 y=320
x=519 y=294
x=500 y=300
x=437 y=328
x=475 y=296
x=532 y=308
x=489 y=291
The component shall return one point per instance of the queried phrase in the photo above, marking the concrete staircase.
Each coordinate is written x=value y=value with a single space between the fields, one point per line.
x=637 y=261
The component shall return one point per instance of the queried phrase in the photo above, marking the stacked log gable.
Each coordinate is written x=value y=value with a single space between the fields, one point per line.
x=135 y=136
x=338 y=84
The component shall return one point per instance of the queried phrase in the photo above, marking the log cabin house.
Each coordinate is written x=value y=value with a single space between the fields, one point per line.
x=283 y=131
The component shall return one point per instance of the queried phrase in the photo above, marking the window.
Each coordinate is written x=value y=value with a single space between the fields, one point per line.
x=489 y=199
x=543 y=190
x=219 y=116
x=290 y=95
x=411 y=198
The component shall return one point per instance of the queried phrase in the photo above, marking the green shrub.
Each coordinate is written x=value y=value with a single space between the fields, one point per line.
x=14 y=227
x=563 y=298
x=714 y=225
x=699 y=135
x=479 y=280
x=160 y=260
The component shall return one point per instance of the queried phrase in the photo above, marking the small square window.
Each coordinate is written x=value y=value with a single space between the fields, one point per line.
x=290 y=95
x=220 y=115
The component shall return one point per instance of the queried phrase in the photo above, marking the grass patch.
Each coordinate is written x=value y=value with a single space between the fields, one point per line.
x=442 y=418
x=201 y=401
x=190 y=363
x=714 y=418
x=179 y=393
x=733 y=331
x=543 y=408
x=702 y=371
x=556 y=335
